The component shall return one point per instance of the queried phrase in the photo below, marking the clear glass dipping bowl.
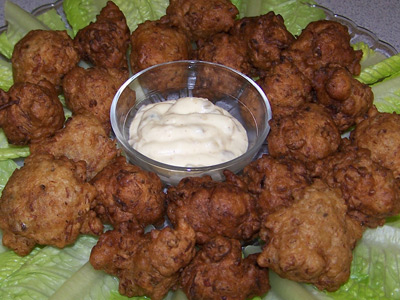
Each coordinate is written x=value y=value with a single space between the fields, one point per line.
x=225 y=87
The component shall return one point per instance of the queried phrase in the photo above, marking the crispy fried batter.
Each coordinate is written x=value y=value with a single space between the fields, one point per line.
x=274 y=180
x=265 y=36
x=200 y=19
x=226 y=49
x=323 y=43
x=105 y=42
x=146 y=265
x=154 y=42
x=29 y=112
x=311 y=241
x=214 y=208
x=345 y=97
x=308 y=134
x=47 y=202
x=93 y=90
x=370 y=190
x=286 y=88
x=82 y=138
x=380 y=133
x=44 y=54
x=218 y=271
x=127 y=192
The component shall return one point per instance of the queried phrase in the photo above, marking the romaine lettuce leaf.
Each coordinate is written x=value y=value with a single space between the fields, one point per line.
x=370 y=56
x=81 y=12
x=6 y=79
x=10 y=151
x=19 y=23
x=380 y=70
x=387 y=94
x=7 y=167
x=297 y=14
x=39 y=274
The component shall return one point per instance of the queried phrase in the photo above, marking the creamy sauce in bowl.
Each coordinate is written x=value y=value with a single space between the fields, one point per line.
x=188 y=132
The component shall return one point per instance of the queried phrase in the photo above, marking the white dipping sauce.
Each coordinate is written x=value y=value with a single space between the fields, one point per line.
x=188 y=132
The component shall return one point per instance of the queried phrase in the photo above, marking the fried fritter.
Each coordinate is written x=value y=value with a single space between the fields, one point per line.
x=47 y=202
x=200 y=19
x=227 y=50
x=82 y=138
x=274 y=180
x=370 y=190
x=105 y=42
x=218 y=271
x=286 y=88
x=323 y=43
x=93 y=90
x=312 y=240
x=345 y=97
x=265 y=36
x=146 y=265
x=29 y=112
x=154 y=42
x=44 y=54
x=214 y=208
x=380 y=133
x=127 y=192
x=308 y=134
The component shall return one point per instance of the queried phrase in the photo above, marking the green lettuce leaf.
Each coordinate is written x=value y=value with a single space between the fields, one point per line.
x=7 y=167
x=380 y=70
x=370 y=56
x=297 y=14
x=6 y=80
x=42 y=272
x=81 y=12
x=19 y=23
x=375 y=269
x=387 y=94
x=8 y=151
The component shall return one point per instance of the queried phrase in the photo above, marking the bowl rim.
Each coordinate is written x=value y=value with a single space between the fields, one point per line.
x=225 y=165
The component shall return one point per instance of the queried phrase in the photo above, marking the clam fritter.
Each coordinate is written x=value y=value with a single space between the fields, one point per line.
x=44 y=54
x=218 y=271
x=105 y=42
x=311 y=240
x=30 y=112
x=126 y=192
x=47 y=202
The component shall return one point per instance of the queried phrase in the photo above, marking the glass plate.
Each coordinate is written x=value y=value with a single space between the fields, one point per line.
x=357 y=33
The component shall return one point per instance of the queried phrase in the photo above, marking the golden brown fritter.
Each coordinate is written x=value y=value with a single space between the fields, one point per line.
x=47 y=202
x=274 y=180
x=227 y=50
x=345 y=97
x=200 y=19
x=218 y=271
x=214 y=208
x=82 y=138
x=380 y=133
x=370 y=190
x=265 y=36
x=44 y=54
x=312 y=240
x=146 y=265
x=286 y=88
x=29 y=112
x=308 y=134
x=93 y=90
x=323 y=43
x=127 y=192
x=154 y=42
x=105 y=42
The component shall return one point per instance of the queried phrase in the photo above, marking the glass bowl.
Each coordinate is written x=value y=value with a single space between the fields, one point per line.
x=223 y=86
